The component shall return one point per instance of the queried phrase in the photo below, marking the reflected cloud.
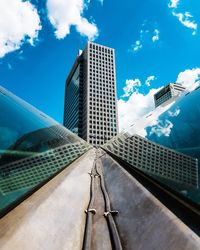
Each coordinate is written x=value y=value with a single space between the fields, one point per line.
x=175 y=113
x=162 y=129
x=151 y=119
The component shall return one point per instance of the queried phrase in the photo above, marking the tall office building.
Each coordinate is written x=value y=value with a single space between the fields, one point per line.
x=169 y=92
x=90 y=96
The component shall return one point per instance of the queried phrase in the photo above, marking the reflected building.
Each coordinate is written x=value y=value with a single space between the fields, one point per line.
x=155 y=159
x=174 y=126
x=90 y=108
x=113 y=197
x=33 y=148
x=168 y=94
x=29 y=172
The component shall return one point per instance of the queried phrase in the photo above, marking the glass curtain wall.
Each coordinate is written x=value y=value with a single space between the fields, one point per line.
x=33 y=148
x=165 y=144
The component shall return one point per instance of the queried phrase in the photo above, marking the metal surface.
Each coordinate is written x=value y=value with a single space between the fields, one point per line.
x=52 y=218
x=100 y=230
x=120 y=213
x=143 y=222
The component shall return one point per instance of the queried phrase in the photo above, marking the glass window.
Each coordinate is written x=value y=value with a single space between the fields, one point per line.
x=33 y=148
x=168 y=141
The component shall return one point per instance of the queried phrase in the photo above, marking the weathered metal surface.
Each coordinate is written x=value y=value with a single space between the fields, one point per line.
x=100 y=238
x=53 y=217
x=100 y=230
x=143 y=222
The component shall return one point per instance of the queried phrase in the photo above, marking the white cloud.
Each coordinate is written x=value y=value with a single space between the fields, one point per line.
x=185 y=19
x=173 y=3
x=156 y=35
x=135 y=107
x=131 y=86
x=137 y=104
x=137 y=46
x=190 y=78
x=145 y=35
x=19 y=24
x=149 y=120
x=64 y=14
x=132 y=110
x=149 y=79
x=163 y=128
x=174 y=113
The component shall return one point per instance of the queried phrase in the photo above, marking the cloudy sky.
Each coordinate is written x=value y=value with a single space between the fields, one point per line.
x=156 y=42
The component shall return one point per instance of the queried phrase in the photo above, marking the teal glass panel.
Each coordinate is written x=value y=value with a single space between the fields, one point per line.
x=33 y=148
x=72 y=103
x=165 y=144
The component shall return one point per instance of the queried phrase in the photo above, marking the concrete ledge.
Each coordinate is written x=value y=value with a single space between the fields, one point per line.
x=53 y=217
x=143 y=222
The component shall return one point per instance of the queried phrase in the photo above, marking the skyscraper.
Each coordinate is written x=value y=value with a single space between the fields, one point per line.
x=90 y=96
x=169 y=92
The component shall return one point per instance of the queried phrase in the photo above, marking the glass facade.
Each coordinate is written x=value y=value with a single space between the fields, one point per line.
x=175 y=126
x=173 y=90
x=102 y=122
x=33 y=148
x=90 y=95
x=72 y=102
x=165 y=144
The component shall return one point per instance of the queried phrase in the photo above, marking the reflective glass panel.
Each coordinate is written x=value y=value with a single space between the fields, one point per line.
x=165 y=144
x=33 y=148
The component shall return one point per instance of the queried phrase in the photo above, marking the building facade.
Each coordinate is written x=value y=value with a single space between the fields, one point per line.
x=90 y=96
x=155 y=159
x=41 y=163
x=33 y=149
x=169 y=92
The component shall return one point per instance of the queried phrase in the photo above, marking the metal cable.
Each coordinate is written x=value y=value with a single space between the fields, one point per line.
x=115 y=239
x=90 y=212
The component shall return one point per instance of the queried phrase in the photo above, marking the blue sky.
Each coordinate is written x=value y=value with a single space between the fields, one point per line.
x=156 y=42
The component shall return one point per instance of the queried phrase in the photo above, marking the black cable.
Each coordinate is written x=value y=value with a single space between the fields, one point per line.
x=115 y=239
x=88 y=225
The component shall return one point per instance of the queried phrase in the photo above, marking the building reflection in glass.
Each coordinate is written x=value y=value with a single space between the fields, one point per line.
x=33 y=148
x=168 y=144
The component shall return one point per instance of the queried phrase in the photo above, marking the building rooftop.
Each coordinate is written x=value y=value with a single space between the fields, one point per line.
x=168 y=94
